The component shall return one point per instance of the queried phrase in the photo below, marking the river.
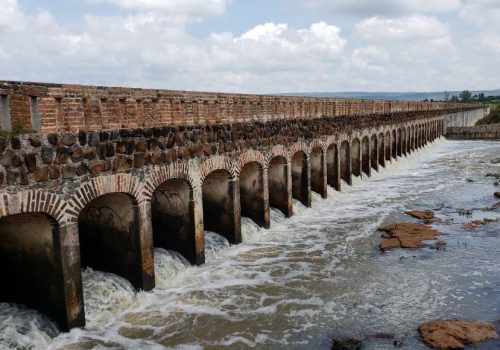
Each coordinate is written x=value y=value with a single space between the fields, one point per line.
x=311 y=278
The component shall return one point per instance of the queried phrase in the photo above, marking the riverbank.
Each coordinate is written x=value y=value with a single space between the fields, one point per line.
x=483 y=132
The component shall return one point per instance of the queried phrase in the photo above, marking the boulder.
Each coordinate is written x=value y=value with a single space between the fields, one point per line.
x=347 y=344
x=406 y=235
x=455 y=334
x=495 y=161
x=421 y=214
x=497 y=194
x=495 y=175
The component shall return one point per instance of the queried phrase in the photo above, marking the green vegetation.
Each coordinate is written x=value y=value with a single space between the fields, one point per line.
x=467 y=97
x=465 y=212
x=6 y=134
x=493 y=117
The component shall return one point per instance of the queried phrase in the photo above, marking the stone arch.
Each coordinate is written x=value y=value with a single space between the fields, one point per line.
x=318 y=170
x=280 y=186
x=102 y=185
x=221 y=202
x=249 y=156
x=173 y=219
x=296 y=147
x=111 y=238
x=34 y=201
x=254 y=195
x=301 y=179
x=214 y=163
x=162 y=174
x=40 y=267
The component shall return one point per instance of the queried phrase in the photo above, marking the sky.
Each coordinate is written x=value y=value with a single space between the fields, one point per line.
x=254 y=46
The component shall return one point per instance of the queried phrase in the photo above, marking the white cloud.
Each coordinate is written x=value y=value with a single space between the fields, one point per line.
x=201 y=8
x=413 y=27
x=386 y=7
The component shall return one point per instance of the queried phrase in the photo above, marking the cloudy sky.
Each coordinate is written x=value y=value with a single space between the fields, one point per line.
x=258 y=46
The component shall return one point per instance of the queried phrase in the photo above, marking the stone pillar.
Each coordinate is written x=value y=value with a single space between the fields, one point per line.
x=199 y=230
x=318 y=172
x=333 y=167
x=301 y=178
x=280 y=185
x=146 y=268
x=67 y=250
x=267 y=212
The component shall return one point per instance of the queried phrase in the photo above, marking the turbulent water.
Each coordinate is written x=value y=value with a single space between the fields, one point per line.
x=311 y=278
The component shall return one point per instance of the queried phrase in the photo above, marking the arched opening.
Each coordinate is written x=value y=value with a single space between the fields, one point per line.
x=411 y=145
x=301 y=189
x=318 y=172
x=220 y=198
x=356 y=157
x=172 y=215
x=374 y=152
x=399 y=143
x=280 y=195
x=420 y=136
x=110 y=237
x=394 y=147
x=345 y=162
x=332 y=164
x=365 y=157
x=388 y=144
x=31 y=264
x=254 y=205
x=381 y=149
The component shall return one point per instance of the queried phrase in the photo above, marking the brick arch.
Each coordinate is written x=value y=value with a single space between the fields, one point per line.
x=162 y=174
x=34 y=201
x=250 y=156
x=297 y=147
x=99 y=186
x=277 y=151
x=317 y=143
x=218 y=163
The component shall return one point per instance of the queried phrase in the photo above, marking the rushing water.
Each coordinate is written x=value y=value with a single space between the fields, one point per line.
x=315 y=276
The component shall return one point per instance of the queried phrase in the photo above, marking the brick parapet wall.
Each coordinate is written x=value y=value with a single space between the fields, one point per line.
x=55 y=107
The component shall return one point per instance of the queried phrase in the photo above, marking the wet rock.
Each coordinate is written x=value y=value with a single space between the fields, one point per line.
x=406 y=235
x=15 y=143
x=476 y=223
x=455 y=334
x=346 y=344
x=495 y=161
x=495 y=175
x=34 y=141
x=497 y=194
x=421 y=214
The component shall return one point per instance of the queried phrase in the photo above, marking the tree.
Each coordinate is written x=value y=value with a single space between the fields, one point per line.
x=465 y=96
x=446 y=96
x=454 y=98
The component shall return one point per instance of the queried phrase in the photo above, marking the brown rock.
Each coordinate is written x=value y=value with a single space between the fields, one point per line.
x=69 y=140
x=495 y=175
x=30 y=160
x=455 y=334
x=34 y=141
x=139 y=159
x=81 y=169
x=406 y=235
x=68 y=172
x=54 y=172
x=421 y=214
x=41 y=174
x=141 y=146
x=497 y=194
x=52 y=138
x=95 y=167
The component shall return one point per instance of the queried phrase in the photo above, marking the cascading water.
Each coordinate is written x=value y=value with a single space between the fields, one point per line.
x=104 y=294
x=319 y=274
x=214 y=243
x=167 y=264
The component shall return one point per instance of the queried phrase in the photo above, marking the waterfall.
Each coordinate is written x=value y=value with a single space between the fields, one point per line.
x=214 y=242
x=23 y=328
x=167 y=264
x=276 y=216
x=250 y=231
x=104 y=293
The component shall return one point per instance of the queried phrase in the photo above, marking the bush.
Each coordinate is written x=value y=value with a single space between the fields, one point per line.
x=492 y=118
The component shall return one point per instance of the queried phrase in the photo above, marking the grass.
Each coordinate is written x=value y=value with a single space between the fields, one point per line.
x=7 y=134
x=465 y=212
x=493 y=117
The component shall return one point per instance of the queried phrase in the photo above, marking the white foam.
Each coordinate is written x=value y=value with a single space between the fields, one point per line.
x=168 y=263
x=214 y=243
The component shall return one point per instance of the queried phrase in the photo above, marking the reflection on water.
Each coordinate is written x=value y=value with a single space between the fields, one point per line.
x=319 y=274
